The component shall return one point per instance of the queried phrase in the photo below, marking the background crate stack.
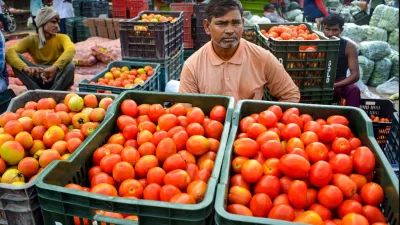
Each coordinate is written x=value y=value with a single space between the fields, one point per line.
x=5 y=99
x=119 y=9
x=382 y=108
x=151 y=84
x=313 y=72
x=76 y=30
x=158 y=43
x=200 y=37
x=187 y=8
x=136 y=6
x=60 y=204
x=90 y=8
x=106 y=28
x=392 y=145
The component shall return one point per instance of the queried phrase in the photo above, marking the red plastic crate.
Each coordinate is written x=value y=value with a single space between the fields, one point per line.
x=187 y=8
x=118 y=3
x=135 y=6
x=187 y=40
x=119 y=12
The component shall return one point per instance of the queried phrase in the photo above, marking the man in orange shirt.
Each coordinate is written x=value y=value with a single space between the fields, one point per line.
x=229 y=65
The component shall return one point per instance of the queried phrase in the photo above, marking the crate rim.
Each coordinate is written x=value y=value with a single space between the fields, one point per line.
x=207 y=201
x=219 y=201
x=149 y=11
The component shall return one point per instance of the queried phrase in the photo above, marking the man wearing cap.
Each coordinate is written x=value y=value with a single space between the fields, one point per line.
x=51 y=52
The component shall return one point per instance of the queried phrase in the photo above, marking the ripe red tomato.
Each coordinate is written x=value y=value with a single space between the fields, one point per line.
x=308 y=137
x=272 y=149
x=316 y=152
x=322 y=211
x=291 y=130
x=349 y=206
x=320 y=174
x=330 y=196
x=100 y=178
x=311 y=126
x=245 y=123
x=237 y=180
x=104 y=189
x=270 y=167
x=341 y=145
x=239 y=209
x=372 y=194
x=268 y=185
x=298 y=194
x=363 y=160
x=341 y=130
x=373 y=214
x=108 y=162
x=167 y=192
x=252 y=171
x=345 y=184
x=326 y=134
x=239 y=195
x=152 y=192
x=276 y=110
x=129 y=107
x=354 y=219
x=341 y=163
x=337 y=119
x=285 y=184
x=218 y=113
x=282 y=212
x=268 y=119
x=294 y=166
x=246 y=147
x=281 y=199
x=260 y=205
x=287 y=113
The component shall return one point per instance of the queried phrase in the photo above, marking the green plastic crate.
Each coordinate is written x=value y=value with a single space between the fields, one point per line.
x=152 y=84
x=61 y=204
x=314 y=70
x=5 y=99
x=361 y=127
x=76 y=30
x=250 y=34
x=187 y=53
x=324 y=97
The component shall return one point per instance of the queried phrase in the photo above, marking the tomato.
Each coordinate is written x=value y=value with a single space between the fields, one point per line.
x=156 y=175
x=282 y=212
x=178 y=109
x=182 y=120
x=373 y=214
x=130 y=155
x=326 y=134
x=363 y=160
x=158 y=136
x=255 y=116
x=131 y=188
x=255 y=129
x=311 y=126
x=239 y=195
x=197 y=189
x=104 y=189
x=275 y=130
x=305 y=118
x=218 y=113
x=207 y=164
x=179 y=178
x=173 y=162
x=285 y=184
x=182 y=198
x=214 y=129
x=167 y=192
x=309 y=217
x=345 y=184
x=341 y=163
x=99 y=154
x=268 y=185
x=239 y=209
x=322 y=211
x=270 y=167
x=349 y=206
x=259 y=157
x=341 y=145
x=252 y=171
x=143 y=109
x=93 y=171
x=330 y=196
x=195 y=129
x=144 y=164
x=155 y=111
x=294 y=143
x=100 y=178
x=272 y=149
x=260 y=205
x=297 y=212
x=123 y=171
x=294 y=166
x=237 y=180
x=268 y=119
x=246 y=147
x=192 y=170
x=197 y=145
x=355 y=197
x=167 y=121
x=281 y=199
x=203 y=175
x=276 y=110
x=336 y=119
x=295 y=119
x=130 y=132
x=291 y=130
x=354 y=219
x=311 y=197
x=267 y=136
x=372 y=194
x=187 y=156
x=214 y=144
x=74 y=186
x=341 y=131
x=245 y=123
x=129 y=107
x=124 y=120
x=242 y=135
x=152 y=192
x=147 y=148
x=132 y=143
x=354 y=143
x=321 y=121
x=320 y=174
x=308 y=137
x=316 y=152
x=287 y=113
x=165 y=148
x=298 y=194
x=108 y=162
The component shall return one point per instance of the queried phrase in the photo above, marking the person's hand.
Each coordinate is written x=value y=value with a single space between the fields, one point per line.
x=32 y=71
x=49 y=73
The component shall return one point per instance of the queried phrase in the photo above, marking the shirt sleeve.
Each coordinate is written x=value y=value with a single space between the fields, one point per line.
x=68 y=54
x=321 y=7
x=21 y=47
x=188 y=81
x=279 y=82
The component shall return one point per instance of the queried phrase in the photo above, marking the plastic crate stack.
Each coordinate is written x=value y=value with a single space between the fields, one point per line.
x=200 y=38
x=128 y=8
x=90 y=8
x=151 y=42
x=392 y=145
x=313 y=72
x=187 y=8
x=381 y=108
x=5 y=99
x=76 y=29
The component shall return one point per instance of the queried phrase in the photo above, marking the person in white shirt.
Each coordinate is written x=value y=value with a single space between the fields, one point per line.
x=35 y=6
x=65 y=10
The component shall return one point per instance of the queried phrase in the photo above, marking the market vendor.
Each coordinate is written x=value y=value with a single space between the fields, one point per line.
x=347 y=60
x=230 y=65
x=3 y=67
x=271 y=13
x=52 y=53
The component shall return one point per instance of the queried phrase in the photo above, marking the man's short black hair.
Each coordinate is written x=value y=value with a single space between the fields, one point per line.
x=218 y=8
x=267 y=7
x=332 y=20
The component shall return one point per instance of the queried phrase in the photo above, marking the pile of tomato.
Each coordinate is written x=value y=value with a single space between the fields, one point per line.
x=288 y=166
x=158 y=154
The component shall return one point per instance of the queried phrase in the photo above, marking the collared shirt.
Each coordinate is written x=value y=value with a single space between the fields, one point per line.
x=35 y=6
x=244 y=76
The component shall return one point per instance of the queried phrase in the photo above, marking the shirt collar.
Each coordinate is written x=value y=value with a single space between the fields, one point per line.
x=237 y=58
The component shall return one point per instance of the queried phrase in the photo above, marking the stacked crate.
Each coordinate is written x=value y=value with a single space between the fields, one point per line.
x=90 y=8
x=128 y=8
x=187 y=8
x=201 y=37
x=76 y=30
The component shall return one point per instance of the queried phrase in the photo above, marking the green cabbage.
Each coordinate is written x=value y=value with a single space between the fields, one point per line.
x=390 y=18
x=381 y=72
x=375 y=50
x=291 y=15
x=394 y=57
x=353 y=32
x=376 y=15
x=376 y=34
x=367 y=67
x=393 y=39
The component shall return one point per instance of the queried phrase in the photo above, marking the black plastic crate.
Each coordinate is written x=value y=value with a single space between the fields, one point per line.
x=200 y=38
x=170 y=68
x=199 y=11
x=151 y=40
x=384 y=109
x=392 y=145
x=22 y=216
x=361 y=18
x=5 y=99
x=77 y=5
x=310 y=70
x=76 y=30
x=151 y=84
x=249 y=34
x=94 y=8
x=323 y=97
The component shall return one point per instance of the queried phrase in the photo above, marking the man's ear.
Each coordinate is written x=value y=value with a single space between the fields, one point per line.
x=206 y=25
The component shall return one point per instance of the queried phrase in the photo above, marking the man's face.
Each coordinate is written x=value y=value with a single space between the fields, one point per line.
x=52 y=26
x=226 y=30
x=333 y=30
